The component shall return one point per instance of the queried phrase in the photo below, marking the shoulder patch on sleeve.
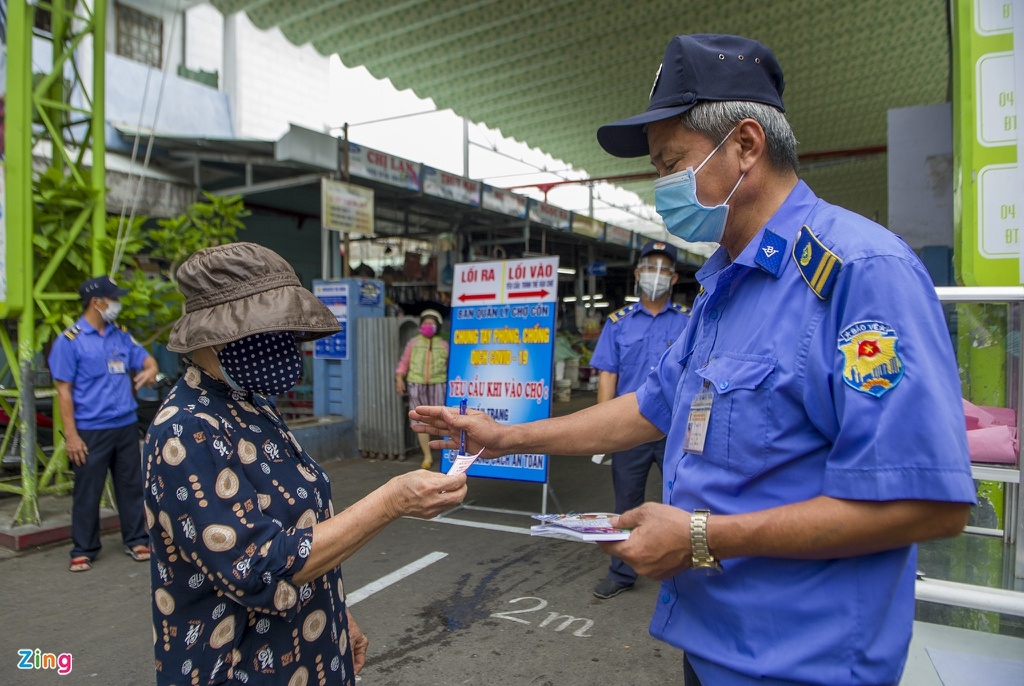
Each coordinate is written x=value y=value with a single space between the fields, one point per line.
x=817 y=264
x=871 y=361
x=619 y=314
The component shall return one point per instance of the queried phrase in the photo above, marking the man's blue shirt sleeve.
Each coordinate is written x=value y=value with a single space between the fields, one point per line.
x=606 y=356
x=63 y=361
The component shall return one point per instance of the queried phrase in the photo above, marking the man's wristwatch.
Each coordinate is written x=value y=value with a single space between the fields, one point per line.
x=702 y=559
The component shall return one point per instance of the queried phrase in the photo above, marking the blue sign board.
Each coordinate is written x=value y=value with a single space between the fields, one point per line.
x=335 y=296
x=502 y=345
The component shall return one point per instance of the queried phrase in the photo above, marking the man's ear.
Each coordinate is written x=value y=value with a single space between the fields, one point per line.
x=752 y=142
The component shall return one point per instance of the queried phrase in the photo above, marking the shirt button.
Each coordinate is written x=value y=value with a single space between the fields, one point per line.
x=666 y=598
x=670 y=485
x=724 y=385
x=713 y=315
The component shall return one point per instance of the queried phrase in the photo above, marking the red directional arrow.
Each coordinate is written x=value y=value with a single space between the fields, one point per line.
x=529 y=294
x=476 y=296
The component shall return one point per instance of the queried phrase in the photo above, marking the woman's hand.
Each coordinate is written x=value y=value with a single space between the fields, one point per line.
x=358 y=643
x=399 y=385
x=423 y=494
x=481 y=430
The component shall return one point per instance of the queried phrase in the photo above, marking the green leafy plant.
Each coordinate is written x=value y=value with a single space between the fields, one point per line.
x=151 y=254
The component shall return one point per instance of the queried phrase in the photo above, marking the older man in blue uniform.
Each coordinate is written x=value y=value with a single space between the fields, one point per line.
x=812 y=406
x=630 y=347
x=96 y=364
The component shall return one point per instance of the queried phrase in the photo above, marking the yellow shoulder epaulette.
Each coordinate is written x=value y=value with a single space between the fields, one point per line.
x=619 y=314
x=817 y=264
x=681 y=308
x=125 y=329
x=72 y=332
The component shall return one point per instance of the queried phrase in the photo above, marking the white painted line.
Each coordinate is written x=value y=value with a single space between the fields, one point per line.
x=392 y=578
x=481 y=525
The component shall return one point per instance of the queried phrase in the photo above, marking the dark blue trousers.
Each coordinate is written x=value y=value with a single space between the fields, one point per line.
x=115 y=451
x=629 y=477
x=690 y=677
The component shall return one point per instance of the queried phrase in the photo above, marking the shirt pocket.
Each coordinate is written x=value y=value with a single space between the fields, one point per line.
x=92 y=364
x=737 y=437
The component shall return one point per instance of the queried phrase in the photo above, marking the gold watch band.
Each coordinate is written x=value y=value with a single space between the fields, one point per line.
x=701 y=556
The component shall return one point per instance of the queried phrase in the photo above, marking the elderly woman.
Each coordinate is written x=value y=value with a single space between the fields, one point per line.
x=247 y=587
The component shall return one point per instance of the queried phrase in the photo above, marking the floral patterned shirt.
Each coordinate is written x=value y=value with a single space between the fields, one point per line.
x=231 y=499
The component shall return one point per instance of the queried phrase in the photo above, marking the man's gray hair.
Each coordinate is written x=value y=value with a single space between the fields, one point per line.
x=714 y=119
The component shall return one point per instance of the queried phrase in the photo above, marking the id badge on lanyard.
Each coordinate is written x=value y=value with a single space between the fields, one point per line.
x=698 y=420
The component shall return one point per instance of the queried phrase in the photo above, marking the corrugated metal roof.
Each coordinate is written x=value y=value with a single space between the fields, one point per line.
x=549 y=72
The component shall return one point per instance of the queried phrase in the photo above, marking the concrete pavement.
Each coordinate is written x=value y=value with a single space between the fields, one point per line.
x=470 y=605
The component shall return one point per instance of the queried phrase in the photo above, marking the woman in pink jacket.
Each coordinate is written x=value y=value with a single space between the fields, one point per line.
x=423 y=371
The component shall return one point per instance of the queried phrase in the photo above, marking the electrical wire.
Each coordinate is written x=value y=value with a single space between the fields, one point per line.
x=124 y=229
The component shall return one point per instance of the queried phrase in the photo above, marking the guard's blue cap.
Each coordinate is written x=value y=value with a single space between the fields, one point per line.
x=100 y=287
x=659 y=247
x=699 y=67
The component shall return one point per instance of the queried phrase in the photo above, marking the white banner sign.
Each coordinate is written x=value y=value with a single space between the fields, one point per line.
x=380 y=166
x=549 y=215
x=441 y=184
x=505 y=202
x=346 y=207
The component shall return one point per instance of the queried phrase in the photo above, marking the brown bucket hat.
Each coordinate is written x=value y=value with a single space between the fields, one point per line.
x=235 y=290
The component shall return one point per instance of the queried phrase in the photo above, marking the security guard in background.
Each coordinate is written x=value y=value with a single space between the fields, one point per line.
x=92 y=363
x=631 y=344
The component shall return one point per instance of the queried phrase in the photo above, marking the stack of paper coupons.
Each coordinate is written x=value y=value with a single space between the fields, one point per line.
x=587 y=526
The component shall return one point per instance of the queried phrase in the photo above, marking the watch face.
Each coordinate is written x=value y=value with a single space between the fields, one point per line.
x=708 y=568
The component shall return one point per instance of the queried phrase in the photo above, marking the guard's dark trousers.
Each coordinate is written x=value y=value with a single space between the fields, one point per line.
x=116 y=451
x=629 y=476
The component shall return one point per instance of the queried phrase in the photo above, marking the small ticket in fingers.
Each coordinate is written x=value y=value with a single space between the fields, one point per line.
x=462 y=463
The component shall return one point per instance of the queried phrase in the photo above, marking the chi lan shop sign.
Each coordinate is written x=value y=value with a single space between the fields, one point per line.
x=502 y=346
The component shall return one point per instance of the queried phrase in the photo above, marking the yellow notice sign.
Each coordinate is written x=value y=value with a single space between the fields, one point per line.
x=346 y=207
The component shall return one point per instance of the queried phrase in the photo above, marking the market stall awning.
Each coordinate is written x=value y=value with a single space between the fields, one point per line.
x=549 y=72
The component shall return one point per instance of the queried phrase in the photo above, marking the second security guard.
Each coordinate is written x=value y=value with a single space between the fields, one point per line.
x=631 y=344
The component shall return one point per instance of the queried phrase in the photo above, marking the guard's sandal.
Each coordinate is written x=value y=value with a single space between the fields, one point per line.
x=80 y=564
x=139 y=553
x=427 y=463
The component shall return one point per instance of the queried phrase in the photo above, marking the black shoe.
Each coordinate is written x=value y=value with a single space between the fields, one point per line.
x=609 y=589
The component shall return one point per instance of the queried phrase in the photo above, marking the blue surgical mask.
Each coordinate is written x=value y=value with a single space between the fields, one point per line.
x=675 y=198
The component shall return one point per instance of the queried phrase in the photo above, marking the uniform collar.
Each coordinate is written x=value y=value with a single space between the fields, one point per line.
x=86 y=327
x=766 y=253
x=640 y=308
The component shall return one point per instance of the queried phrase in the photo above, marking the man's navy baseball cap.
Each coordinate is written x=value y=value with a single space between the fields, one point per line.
x=703 y=66
x=659 y=248
x=100 y=287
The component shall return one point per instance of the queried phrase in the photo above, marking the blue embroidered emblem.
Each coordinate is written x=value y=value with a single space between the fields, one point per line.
x=871 y=362
x=770 y=252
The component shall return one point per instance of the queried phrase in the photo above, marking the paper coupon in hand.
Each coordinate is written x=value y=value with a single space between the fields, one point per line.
x=462 y=463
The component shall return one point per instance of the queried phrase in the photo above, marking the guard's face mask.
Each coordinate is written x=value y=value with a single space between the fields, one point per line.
x=675 y=199
x=654 y=278
x=112 y=312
